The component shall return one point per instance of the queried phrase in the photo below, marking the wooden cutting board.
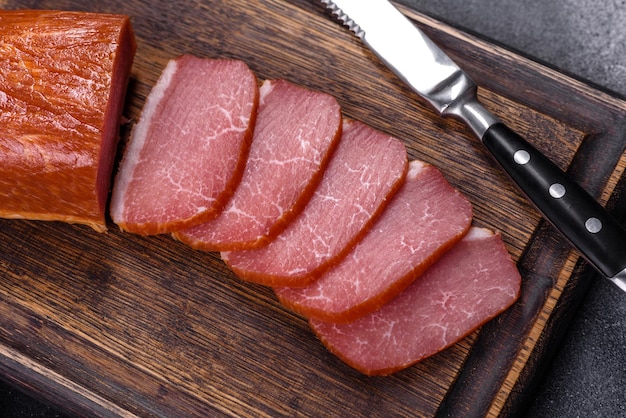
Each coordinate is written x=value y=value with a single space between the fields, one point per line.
x=120 y=325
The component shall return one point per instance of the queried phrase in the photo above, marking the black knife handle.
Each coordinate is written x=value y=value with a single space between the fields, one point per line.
x=562 y=201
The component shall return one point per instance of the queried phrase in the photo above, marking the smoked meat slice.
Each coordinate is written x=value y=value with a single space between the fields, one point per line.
x=423 y=220
x=63 y=79
x=188 y=151
x=468 y=286
x=295 y=133
x=366 y=169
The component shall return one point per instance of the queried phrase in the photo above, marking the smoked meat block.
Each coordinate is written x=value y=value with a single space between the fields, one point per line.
x=63 y=79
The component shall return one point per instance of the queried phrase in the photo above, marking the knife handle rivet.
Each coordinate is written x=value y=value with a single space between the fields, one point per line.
x=593 y=225
x=521 y=157
x=557 y=190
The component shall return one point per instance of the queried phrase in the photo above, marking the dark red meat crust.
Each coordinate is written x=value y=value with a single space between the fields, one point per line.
x=63 y=78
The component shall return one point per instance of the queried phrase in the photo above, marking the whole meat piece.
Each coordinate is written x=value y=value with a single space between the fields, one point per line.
x=423 y=220
x=366 y=169
x=187 y=153
x=63 y=79
x=468 y=286
x=295 y=133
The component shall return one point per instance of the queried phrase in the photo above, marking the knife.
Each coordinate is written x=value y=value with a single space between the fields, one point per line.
x=413 y=57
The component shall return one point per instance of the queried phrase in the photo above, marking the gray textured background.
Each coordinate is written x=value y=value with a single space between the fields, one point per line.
x=583 y=37
x=587 y=39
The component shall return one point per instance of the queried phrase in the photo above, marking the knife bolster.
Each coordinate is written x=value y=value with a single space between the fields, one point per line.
x=471 y=111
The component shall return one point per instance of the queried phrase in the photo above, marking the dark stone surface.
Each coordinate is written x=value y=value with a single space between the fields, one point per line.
x=16 y=404
x=585 y=38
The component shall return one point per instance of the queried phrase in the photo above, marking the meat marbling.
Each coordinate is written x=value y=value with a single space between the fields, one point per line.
x=63 y=78
x=188 y=151
x=365 y=170
x=295 y=133
x=469 y=285
x=423 y=220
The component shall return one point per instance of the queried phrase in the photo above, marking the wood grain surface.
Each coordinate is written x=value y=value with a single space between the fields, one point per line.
x=116 y=324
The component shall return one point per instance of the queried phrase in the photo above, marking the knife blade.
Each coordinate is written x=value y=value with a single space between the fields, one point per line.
x=421 y=64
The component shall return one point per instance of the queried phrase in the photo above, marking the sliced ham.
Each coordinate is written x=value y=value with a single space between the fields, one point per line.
x=468 y=286
x=423 y=220
x=63 y=78
x=366 y=169
x=188 y=151
x=295 y=133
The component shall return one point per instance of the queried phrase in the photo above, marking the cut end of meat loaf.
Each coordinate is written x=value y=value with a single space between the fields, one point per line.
x=64 y=97
x=187 y=153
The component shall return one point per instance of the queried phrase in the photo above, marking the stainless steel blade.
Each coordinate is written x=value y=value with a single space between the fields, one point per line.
x=417 y=60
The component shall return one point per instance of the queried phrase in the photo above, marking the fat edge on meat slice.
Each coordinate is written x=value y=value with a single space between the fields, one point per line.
x=187 y=153
x=471 y=284
x=63 y=79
